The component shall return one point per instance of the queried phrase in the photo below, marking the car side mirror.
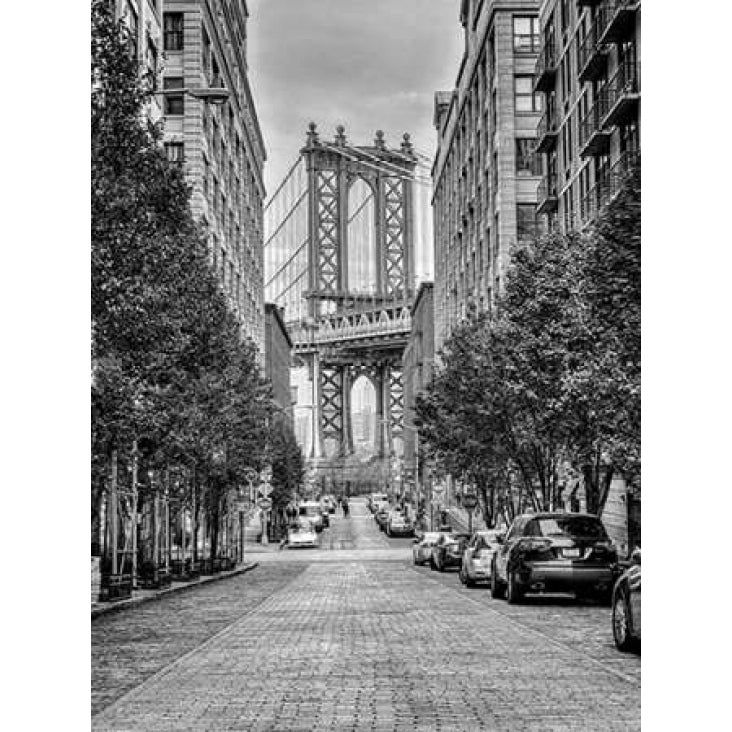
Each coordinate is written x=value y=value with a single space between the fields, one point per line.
x=635 y=557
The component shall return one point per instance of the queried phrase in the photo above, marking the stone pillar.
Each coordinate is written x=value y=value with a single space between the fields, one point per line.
x=347 y=430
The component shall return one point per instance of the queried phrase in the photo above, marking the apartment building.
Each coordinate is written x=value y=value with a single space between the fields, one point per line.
x=144 y=19
x=219 y=145
x=278 y=350
x=486 y=171
x=588 y=71
x=417 y=369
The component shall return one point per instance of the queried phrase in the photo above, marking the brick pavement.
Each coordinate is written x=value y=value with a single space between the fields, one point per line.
x=376 y=645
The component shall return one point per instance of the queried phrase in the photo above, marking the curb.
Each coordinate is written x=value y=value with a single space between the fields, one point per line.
x=106 y=608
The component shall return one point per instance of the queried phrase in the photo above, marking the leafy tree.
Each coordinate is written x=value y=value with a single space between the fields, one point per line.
x=171 y=369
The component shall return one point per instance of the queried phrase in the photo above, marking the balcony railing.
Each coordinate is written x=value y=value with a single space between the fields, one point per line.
x=545 y=71
x=623 y=94
x=594 y=138
x=591 y=55
x=547 y=131
x=547 y=195
x=617 y=20
x=608 y=187
x=588 y=3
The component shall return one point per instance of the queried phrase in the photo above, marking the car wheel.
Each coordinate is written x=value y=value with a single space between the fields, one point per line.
x=496 y=586
x=388 y=533
x=433 y=566
x=514 y=594
x=461 y=575
x=468 y=581
x=621 y=623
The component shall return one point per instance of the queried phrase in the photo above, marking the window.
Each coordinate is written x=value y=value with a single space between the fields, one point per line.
x=173 y=102
x=173 y=31
x=526 y=222
x=152 y=63
x=528 y=162
x=525 y=35
x=133 y=26
x=174 y=152
x=525 y=99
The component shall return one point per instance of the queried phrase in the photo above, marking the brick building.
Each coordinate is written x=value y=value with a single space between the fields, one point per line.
x=417 y=368
x=485 y=172
x=277 y=349
x=220 y=145
x=589 y=73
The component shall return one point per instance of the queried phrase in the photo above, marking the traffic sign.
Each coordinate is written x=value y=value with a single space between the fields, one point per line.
x=470 y=500
x=265 y=503
x=265 y=489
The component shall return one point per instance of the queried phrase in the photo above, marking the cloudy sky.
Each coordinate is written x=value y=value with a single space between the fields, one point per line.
x=366 y=64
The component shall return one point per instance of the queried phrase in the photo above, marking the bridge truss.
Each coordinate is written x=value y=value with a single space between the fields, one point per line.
x=339 y=258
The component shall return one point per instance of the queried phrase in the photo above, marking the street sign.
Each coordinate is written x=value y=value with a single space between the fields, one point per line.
x=265 y=489
x=470 y=500
x=265 y=503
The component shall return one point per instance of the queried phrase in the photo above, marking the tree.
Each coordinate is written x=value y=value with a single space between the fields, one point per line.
x=171 y=369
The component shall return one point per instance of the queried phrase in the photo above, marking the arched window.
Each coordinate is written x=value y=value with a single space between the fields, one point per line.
x=363 y=417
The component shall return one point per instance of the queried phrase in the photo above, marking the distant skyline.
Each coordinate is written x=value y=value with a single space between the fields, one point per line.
x=366 y=64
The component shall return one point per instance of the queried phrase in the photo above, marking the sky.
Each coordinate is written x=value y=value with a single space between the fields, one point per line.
x=366 y=64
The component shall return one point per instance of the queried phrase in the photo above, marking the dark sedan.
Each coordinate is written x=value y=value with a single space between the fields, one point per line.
x=448 y=551
x=555 y=552
x=627 y=606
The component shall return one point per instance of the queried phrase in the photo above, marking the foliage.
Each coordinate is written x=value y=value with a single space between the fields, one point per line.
x=549 y=384
x=171 y=371
x=287 y=460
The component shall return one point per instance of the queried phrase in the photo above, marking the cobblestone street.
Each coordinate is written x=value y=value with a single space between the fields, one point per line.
x=351 y=636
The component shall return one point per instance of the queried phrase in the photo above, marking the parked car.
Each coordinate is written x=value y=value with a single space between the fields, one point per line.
x=382 y=515
x=398 y=524
x=626 y=616
x=375 y=498
x=554 y=552
x=478 y=557
x=422 y=549
x=313 y=511
x=328 y=503
x=448 y=551
x=302 y=534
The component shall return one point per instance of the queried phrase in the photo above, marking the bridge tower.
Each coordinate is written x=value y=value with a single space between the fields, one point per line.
x=354 y=312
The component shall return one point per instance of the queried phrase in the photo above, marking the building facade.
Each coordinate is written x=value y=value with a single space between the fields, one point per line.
x=144 y=20
x=219 y=145
x=417 y=369
x=588 y=71
x=277 y=350
x=486 y=171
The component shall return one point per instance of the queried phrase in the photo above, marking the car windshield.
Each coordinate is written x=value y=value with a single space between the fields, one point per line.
x=430 y=538
x=585 y=527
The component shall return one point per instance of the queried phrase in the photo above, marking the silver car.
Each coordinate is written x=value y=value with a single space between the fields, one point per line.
x=422 y=549
x=478 y=557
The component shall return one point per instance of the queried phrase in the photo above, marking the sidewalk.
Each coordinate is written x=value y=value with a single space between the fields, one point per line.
x=140 y=596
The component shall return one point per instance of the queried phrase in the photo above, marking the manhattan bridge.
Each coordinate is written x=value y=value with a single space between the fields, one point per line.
x=345 y=245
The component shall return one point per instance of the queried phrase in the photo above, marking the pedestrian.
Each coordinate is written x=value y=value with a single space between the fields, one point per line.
x=345 y=508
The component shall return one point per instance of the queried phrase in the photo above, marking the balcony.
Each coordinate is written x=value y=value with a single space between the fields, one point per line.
x=546 y=132
x=608 y=187
x=618 y=20
x=623 y=94
x=545 y=72
x=594 y=138
x=588 y=3
x=591 y=55
x=546 y=195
